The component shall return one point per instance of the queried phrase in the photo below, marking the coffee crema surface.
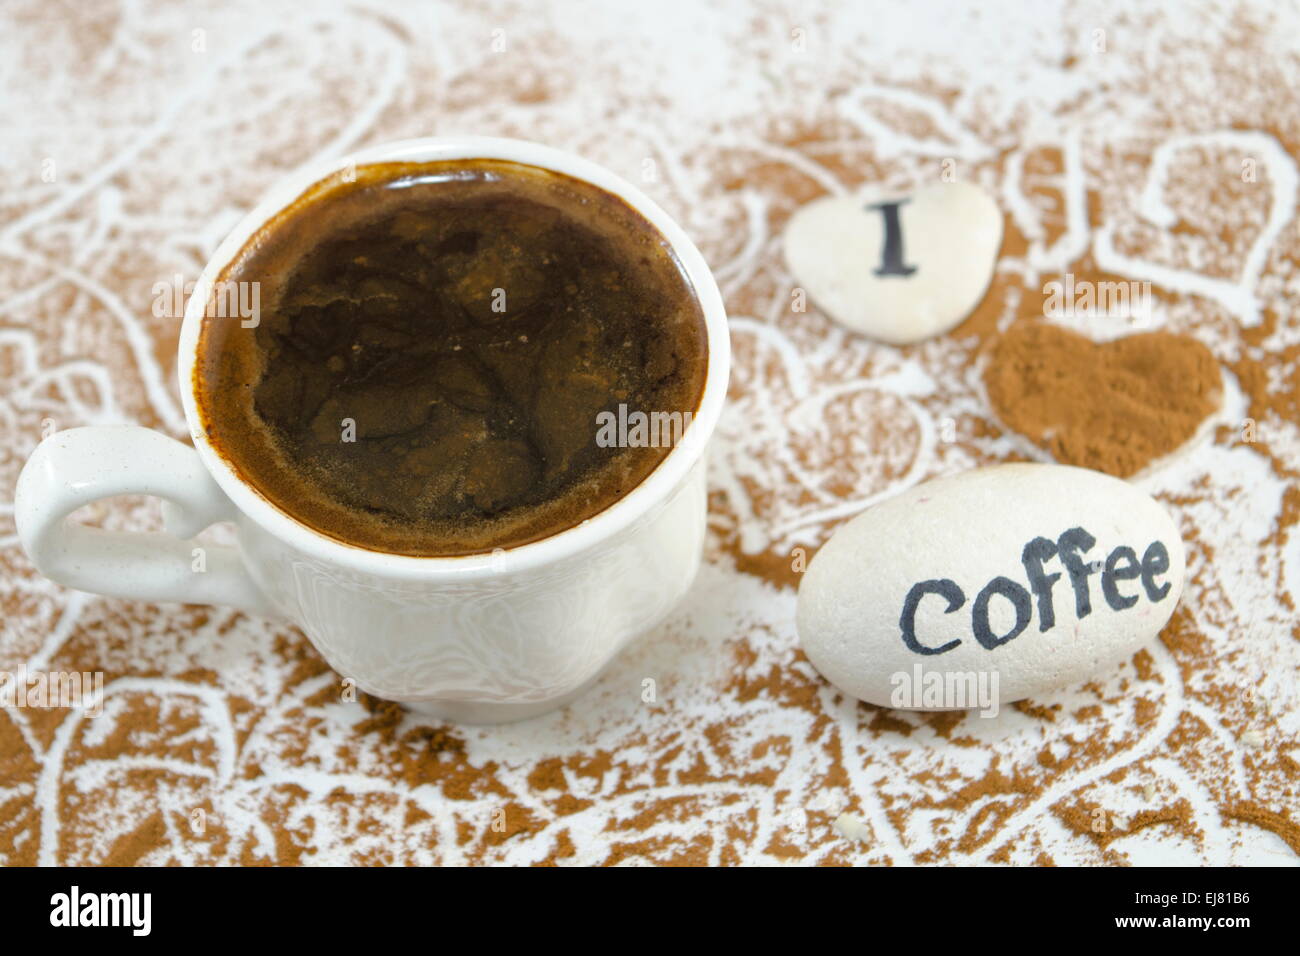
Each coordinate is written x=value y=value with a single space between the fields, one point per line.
x=435 y=345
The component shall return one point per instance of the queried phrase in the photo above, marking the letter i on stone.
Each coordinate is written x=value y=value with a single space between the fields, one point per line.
x=899 y=270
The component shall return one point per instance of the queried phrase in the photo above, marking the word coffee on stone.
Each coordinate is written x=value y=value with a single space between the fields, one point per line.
x=1046 y=573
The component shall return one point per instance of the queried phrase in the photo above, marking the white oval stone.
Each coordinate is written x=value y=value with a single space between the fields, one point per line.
x=1007 y=581
x=948 y=237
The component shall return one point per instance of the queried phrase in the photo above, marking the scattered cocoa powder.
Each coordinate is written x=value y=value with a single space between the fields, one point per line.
x=1112 y=406
x=1285 y=827
x=647 y=813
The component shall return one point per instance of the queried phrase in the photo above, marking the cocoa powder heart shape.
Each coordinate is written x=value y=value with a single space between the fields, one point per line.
x=1115 y=406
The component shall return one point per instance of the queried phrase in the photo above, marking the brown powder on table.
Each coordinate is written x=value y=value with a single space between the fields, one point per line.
x=1111 y=406
x=935 y=805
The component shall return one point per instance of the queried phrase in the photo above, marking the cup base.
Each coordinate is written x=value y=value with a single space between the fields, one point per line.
x=486 y=712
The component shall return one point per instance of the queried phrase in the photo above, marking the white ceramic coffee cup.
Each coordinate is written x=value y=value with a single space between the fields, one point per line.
x=478 y=639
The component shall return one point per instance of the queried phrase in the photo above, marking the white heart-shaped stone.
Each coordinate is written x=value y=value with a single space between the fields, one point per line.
x=898 y=270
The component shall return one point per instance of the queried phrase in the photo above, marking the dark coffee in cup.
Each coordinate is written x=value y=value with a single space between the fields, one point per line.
x=452 y=357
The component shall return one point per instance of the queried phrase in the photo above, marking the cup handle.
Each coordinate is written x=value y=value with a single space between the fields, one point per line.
x=75 y=467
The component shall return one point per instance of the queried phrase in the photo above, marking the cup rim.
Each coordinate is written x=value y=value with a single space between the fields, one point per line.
x=652 y=490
